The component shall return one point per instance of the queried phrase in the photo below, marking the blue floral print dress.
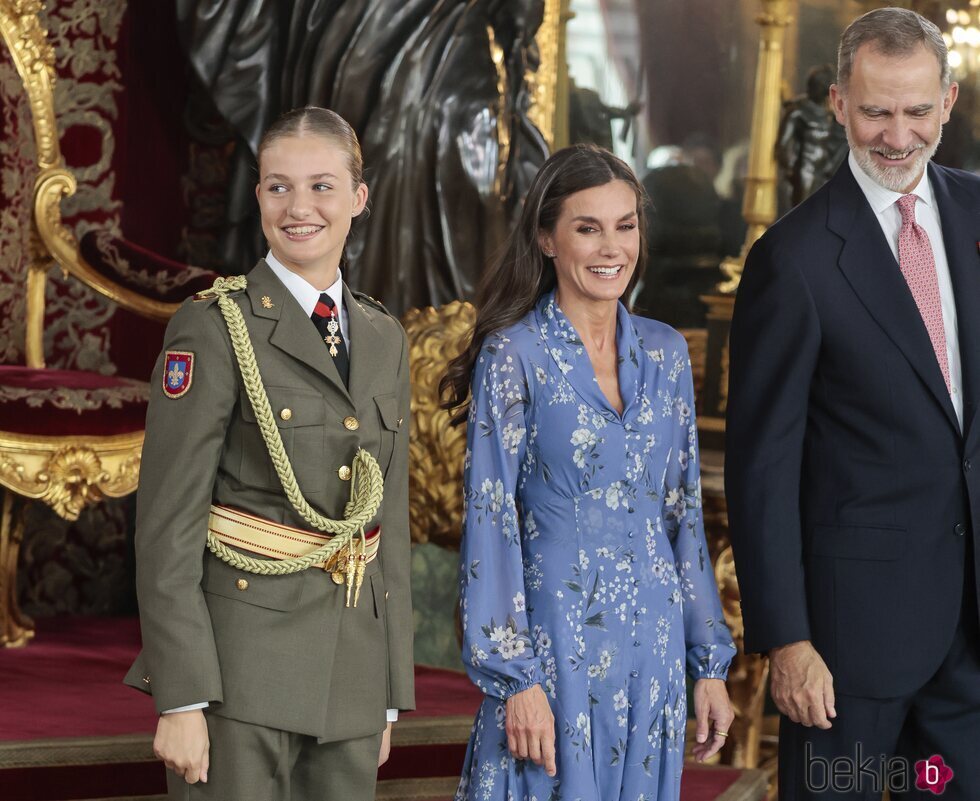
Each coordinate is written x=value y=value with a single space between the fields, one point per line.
x=584 y=563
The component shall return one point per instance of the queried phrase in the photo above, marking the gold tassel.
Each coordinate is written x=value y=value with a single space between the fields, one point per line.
x=350 y=570
x=361 y=563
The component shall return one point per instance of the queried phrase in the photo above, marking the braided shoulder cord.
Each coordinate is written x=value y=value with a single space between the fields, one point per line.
x=367 y=481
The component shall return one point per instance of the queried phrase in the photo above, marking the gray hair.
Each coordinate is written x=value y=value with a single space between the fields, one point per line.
x=891 y=32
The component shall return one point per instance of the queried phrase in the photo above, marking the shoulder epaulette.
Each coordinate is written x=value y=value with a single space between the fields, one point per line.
x=370 y=301
x=223 y=286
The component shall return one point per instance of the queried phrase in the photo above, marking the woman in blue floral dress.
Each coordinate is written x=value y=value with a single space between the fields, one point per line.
x=586 y=588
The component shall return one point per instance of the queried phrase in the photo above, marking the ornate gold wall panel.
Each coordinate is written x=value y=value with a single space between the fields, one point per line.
x=436 y=450
x=747 y=676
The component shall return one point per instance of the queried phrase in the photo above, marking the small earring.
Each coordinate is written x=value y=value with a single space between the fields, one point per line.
x=549 y=255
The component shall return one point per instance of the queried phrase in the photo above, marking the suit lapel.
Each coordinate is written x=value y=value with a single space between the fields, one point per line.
x=366 y=347
x=869 y=266
x=958 y=211
x=293 y=334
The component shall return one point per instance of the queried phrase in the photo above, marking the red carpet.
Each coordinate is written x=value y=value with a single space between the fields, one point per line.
x=67 y=684
x=76 y=665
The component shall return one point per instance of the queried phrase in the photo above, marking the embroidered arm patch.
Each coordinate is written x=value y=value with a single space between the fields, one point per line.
x=177 y=373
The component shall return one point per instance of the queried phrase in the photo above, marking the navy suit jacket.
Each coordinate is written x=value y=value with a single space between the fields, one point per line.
x=851 y=490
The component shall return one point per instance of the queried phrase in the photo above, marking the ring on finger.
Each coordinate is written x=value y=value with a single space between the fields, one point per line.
x=721 y=733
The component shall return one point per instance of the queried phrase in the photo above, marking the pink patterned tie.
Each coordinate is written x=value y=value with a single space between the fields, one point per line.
x=919 y=268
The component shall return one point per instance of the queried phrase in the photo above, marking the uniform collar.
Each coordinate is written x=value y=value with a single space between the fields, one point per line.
x=305 y=293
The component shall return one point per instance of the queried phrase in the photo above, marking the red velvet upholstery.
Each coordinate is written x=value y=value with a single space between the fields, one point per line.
x=59 y=403
x=151 y=182
x=144 y=271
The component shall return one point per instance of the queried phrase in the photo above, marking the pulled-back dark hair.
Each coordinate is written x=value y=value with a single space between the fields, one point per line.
x=511 y=287
x=318 y=122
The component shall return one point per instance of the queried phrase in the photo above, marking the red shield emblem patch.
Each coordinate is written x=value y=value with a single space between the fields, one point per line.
x=177 y=373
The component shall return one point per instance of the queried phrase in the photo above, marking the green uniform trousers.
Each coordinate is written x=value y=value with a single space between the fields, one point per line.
x=256 y=763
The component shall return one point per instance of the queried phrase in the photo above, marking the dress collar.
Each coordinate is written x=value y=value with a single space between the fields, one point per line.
x=568 y=352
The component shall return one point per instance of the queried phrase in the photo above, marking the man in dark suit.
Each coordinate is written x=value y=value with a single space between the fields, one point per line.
x=853 y=453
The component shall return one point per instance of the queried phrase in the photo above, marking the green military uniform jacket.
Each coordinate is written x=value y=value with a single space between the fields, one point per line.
x=284 y=652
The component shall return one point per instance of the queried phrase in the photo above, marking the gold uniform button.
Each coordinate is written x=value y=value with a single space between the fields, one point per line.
x=241 y=584
x=338 y=578
x=351 y=423
x=344 y=473
x=286 y=414
x=386 y=595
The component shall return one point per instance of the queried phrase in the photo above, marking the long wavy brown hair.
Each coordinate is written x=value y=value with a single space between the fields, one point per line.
x=511 y=287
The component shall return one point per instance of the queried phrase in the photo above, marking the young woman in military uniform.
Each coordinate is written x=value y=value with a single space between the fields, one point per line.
x=272 y=536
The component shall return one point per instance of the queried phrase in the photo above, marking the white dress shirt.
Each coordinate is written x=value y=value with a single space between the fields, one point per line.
x=883 y=203
x=307 y=296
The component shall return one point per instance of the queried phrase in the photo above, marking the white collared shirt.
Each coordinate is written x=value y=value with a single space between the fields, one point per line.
x=883 y=203
x=308 y=295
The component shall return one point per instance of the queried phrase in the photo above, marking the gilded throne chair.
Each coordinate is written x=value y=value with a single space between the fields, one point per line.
x=68 y=437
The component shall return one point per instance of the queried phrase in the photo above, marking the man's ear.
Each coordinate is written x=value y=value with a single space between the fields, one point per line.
x=837 y=103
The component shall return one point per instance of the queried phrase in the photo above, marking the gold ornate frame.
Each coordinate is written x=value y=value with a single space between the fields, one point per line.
x=66 y=473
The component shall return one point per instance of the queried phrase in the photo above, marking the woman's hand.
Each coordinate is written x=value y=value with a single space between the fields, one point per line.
x=530 y=728
x=182 y=743
x=385 y=751
x=714 y=715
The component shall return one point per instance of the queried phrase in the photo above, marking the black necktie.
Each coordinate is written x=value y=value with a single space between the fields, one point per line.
x=325 y=319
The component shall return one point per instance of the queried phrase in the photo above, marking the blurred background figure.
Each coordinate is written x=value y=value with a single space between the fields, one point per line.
x=811 y=144
x=684 y=230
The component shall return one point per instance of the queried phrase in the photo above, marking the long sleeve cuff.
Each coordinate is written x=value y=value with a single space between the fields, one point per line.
x=392 y=715
x=710 y=660
x=188 y=708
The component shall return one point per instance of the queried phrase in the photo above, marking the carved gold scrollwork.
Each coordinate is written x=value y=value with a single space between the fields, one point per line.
x=125 y=478
x=33 y=56
x=68 y=474
x=747 y=675
x=15 y=628
x=72 y=477
x=436 y=449
x=51 y=186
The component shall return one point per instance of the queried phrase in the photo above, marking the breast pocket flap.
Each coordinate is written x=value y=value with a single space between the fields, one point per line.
x=859 y=542
x=388 y=409
x=291 y=408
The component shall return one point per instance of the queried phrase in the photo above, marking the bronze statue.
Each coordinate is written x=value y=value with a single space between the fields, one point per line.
x=811 y=144
x=445 y=129
x=589 y=117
